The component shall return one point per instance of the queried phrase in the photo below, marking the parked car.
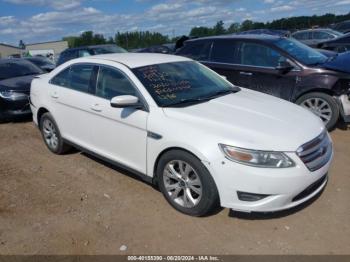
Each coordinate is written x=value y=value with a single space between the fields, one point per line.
x=312 y=37
x=284 y=33
x=279 y=66
x=163 y=49
x=340 y=44
x=72 y=53
x=343 y=27
x=44 y=63
x=177 y=123
x=15 y=78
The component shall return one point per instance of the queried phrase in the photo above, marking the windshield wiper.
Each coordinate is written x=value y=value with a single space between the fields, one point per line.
x=192 y=101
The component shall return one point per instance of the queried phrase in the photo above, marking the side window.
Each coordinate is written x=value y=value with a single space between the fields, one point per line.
x=62 y=78
x=224 y=51
x=83 y=53
x=302 y=36
x=254 y=54
x=111 y=83
x=80 y=77
x=197 y=50
x=321 y=35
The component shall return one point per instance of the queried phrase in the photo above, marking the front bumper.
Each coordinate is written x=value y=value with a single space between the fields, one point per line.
x=285 y=187
x=11 y=109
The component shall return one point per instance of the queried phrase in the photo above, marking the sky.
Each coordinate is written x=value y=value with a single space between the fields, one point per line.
x=48 y=20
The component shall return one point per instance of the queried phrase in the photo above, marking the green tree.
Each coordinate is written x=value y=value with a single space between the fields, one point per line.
x=234 y=28
x=219 y=28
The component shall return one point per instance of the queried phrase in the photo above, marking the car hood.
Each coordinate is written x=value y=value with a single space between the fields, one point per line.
x=340 y=63
x=251 y=120
x=17 y=83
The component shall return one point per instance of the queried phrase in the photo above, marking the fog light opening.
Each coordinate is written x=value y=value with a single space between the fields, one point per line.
x=250 y=197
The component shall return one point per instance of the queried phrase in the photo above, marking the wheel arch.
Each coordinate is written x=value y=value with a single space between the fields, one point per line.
x=313 y=90
x=41 y=112
x=164 y=151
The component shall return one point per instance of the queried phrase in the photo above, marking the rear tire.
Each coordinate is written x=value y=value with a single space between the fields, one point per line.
x=52 y=136
x=186 y=183
x=322 y=105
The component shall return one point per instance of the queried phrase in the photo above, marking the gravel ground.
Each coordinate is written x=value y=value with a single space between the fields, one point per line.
x=74 y=204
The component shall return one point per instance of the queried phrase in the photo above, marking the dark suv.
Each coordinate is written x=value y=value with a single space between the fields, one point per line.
x=281 y=67
x=72 y=53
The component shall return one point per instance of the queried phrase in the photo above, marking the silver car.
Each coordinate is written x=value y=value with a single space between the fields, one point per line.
x=312 y=37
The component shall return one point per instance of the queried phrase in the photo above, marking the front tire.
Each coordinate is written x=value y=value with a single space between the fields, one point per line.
x=186 y=183
x=51 y=135
x=322 y=105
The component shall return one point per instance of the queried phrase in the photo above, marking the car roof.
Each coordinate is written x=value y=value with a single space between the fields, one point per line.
x=262 y=37
x=133 y=60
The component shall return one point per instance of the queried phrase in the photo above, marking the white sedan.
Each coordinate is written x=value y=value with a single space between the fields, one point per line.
x=180 y=125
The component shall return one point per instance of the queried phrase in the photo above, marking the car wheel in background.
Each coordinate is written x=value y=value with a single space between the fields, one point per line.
x=51 y=135
x=187 y=184
x=322 y=105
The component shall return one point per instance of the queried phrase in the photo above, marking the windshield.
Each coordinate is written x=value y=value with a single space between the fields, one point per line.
x=177 y=83
x=111 y=49
x=12 y=69
x=304 y=54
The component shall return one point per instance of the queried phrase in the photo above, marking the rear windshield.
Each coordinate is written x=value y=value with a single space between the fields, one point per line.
x=13 y=69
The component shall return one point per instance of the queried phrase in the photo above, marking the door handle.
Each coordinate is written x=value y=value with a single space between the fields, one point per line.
x=96 y=108
x=54 y=95
x=246 y=73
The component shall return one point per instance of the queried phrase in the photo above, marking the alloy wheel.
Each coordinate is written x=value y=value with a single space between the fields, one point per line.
x=319 y=107
x=50 y=134
x=182 y=183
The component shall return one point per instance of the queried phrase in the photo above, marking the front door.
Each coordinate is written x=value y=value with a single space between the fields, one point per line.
x=119 y=134
x=258 y=70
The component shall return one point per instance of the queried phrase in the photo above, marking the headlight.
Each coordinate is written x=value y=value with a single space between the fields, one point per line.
x=12 y=95
x=257 y=158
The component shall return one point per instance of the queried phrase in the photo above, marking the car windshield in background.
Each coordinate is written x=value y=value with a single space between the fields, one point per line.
x=301 y=52
x=182 y=83
x=108 y=50
x=13 y=69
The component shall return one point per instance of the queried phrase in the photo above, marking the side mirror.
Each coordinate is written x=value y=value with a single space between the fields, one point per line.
x=125 y=101
x=284 y=66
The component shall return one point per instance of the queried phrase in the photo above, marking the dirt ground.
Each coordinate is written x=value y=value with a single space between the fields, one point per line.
x=74 y=204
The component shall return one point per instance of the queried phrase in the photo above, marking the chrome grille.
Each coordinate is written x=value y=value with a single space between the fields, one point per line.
x=316 y=153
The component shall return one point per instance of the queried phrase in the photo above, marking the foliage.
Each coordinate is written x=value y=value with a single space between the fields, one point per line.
x=140 y=39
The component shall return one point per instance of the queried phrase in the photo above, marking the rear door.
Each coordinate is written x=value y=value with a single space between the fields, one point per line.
x=223 y=60
x=73 y=100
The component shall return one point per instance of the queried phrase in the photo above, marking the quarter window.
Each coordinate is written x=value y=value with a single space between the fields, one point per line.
x=111 y=83
x=254 y=54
